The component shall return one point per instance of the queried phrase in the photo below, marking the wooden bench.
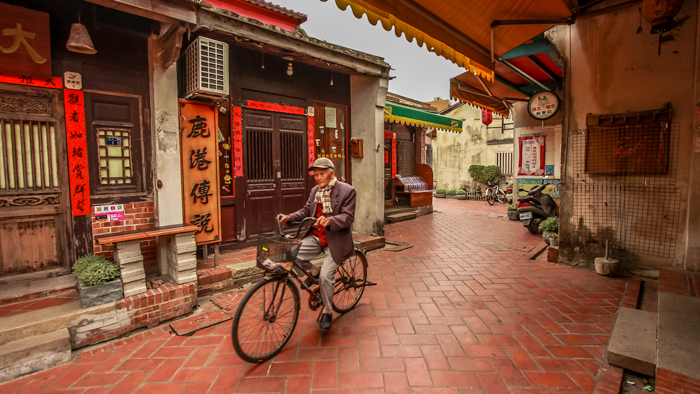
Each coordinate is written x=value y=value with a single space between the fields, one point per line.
x=418 y=196
x=180 y=254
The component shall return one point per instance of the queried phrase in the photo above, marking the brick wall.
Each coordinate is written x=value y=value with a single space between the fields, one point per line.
x=137 y=216
x=142 y=310
x=405 y=158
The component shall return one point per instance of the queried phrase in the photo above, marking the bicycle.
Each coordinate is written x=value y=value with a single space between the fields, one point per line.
x=494 y=192
x=268 y=313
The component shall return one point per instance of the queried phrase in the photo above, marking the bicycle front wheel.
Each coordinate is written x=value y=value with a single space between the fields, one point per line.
x=501 y=195
x=350 y=280
x=265 y=319
x=490 y=198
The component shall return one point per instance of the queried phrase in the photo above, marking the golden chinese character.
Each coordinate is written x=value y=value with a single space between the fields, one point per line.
x=21 y=38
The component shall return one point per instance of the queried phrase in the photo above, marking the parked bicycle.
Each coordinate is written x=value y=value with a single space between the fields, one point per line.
x=494 y=193
x=268 y=313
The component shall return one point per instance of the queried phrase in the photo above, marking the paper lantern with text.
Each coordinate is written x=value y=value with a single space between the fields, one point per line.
x=486 y=117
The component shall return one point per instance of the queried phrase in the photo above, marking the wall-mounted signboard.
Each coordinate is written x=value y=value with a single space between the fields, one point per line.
x=543 y=106
x=200 y=172
x=25 y=42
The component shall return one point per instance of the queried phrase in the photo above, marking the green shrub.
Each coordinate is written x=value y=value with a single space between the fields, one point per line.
x=512 y=207
x=484 y=174
x=440 y=191
x=461 y=192
x=94 y=270
x=550 y=224
x=451 y=192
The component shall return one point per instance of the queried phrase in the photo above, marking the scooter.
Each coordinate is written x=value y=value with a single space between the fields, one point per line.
x=536 y=207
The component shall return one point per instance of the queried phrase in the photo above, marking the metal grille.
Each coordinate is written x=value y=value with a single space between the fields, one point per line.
x=505 y=161
x=28 y=158
x=629 y=195
x=292 y=164
x=259 y=155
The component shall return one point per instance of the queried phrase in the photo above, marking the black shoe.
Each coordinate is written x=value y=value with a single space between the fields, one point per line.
x=311 y=279
x=326 y=322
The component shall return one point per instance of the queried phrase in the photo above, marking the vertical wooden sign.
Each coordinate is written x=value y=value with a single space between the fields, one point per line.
x=200 y=171
x=25 y=43
x=77 y=152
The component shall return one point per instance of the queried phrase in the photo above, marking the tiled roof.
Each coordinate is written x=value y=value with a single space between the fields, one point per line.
x=282 y=10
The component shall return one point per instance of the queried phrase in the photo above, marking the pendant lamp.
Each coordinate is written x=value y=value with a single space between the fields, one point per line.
x=79 y=40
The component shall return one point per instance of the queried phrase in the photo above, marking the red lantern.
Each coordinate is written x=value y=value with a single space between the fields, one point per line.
x=486 y=117
x=660 y=13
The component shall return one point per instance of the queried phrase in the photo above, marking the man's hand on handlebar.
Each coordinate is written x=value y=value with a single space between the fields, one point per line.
x=322 y=222
x=284 y=218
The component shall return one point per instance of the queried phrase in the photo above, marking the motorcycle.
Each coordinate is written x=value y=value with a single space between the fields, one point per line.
x=536 y=207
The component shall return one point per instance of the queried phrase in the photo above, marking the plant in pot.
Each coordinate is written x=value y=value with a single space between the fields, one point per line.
x=554 y=239
x=98 y=281
x=512 y=212
x=461 y=195
x=549 y=226
x=452 y=193
x=440 y=193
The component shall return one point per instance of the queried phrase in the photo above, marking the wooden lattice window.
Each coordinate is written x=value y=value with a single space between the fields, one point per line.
x=115 y=156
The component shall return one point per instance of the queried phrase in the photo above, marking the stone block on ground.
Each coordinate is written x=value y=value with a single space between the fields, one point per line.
x=679 y=336
x=134 y=288
x=633 y=342
x=34 y=354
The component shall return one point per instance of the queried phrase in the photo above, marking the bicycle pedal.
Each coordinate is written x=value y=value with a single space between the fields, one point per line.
x=315 y=301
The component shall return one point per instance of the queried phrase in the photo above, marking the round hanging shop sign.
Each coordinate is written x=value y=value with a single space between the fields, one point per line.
x=543 y=106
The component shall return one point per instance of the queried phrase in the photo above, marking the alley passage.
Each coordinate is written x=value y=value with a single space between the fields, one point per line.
x=463 y=311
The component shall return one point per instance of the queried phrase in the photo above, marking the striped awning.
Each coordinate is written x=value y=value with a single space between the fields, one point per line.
x=397 y=113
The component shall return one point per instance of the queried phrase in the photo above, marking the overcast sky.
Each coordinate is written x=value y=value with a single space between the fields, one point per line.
x=420 y=74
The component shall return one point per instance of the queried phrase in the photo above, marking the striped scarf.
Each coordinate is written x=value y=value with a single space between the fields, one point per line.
x=323 y=195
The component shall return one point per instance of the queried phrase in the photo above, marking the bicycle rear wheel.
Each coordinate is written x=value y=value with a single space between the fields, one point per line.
x=501 y=195
x=350 y=278
x=490 y=198
x=265 y=319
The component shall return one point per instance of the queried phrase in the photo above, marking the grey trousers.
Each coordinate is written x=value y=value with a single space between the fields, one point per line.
x=310 y=248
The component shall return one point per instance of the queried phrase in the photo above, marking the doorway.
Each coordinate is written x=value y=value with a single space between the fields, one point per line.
x=35 y=219
x=275 y=167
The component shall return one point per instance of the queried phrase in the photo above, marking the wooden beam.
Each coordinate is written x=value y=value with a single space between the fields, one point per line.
x=160 y=10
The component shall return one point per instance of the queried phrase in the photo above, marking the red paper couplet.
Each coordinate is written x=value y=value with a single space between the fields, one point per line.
x=275 y=107
x=52 y=83
x=77 y=152
x=237 y=141
x=312 y=142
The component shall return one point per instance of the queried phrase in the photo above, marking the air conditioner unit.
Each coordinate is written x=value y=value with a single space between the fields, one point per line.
x=206 y=69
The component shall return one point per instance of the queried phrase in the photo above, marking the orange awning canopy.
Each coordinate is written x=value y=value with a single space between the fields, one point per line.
x=460 y=30
x=492 y=96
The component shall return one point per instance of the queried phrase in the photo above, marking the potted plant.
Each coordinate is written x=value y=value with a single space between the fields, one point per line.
x=452 y=193
x=440 y=193
x=461 y=195
x=549 y=226
x=554 y=239
x=98 y=281
x=512 y=212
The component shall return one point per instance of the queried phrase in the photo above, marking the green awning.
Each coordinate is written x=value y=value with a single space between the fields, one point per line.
x=397 y=113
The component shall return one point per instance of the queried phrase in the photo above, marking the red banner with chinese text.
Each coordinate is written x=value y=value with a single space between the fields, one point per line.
x=200 y=171
x=77 y=152
x=532 y=155
x=311 y=141
x=51 y=83
x=237 y=122
x=275 y=107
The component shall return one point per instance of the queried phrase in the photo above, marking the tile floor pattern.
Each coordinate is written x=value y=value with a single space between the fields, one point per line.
x=60 y=298
x=463 y=311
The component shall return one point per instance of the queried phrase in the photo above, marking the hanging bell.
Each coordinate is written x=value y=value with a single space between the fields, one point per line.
x=79 y=40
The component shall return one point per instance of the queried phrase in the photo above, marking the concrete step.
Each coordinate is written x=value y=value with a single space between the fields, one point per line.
x=366 y=242
x=679 y=336
x=43 y=321
x=400 y=209
x=393 y=218
x=34 y=354
x=633 y=342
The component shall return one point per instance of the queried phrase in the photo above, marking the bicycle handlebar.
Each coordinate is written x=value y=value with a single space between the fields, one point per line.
x=279 y=225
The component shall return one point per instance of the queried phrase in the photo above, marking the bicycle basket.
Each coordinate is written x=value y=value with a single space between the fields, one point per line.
x=276 y=254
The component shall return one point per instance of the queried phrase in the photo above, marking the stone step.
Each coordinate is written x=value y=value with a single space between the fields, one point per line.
x=43 y=321
x=393 y=218
x=679 y=336
x=34 y=354
x=633 y=342
x=366 y=242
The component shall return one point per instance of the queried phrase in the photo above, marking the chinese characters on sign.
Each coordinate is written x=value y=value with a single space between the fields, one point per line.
x=200 y=176
x=531 y=158
x=543 y=106
x=237 y=141
x=525 y=185
x=77 y=152
x=311 y=139
x=25 y=47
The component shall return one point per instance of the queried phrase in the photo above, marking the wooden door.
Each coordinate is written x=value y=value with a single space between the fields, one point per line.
x=275 y=152
x=35 y=221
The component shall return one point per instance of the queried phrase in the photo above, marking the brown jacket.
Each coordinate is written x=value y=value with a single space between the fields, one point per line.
x=339 y=232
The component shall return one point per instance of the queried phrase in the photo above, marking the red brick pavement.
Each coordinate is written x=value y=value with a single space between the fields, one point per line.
x=463 y=311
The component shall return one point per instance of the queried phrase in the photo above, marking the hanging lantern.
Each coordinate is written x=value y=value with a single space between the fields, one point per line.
x=660 y=13
x=486 y=117
x=79 y=40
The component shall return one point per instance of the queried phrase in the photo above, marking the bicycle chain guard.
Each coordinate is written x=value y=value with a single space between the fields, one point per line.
x=315 y=301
